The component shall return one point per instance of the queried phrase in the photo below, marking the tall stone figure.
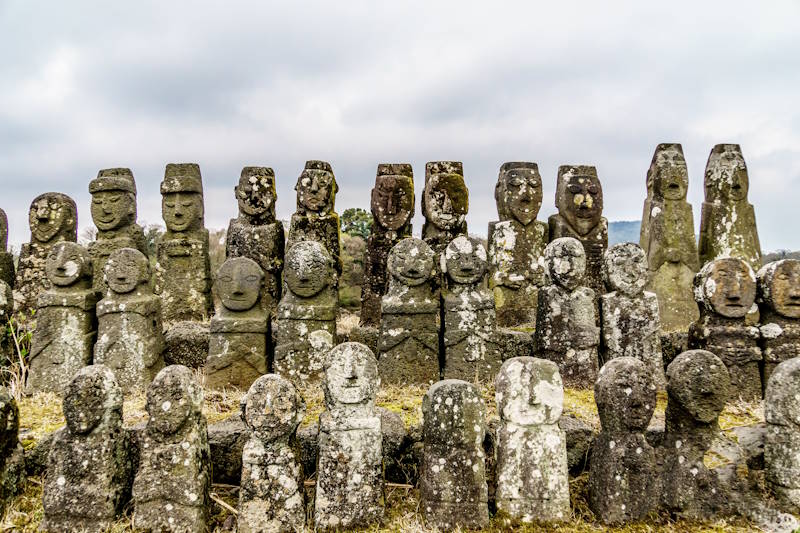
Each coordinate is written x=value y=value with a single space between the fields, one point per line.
x=7 y=346
x=350 y=459
x=89 y=472
x=728 y=220
x=12 y=456
x=392 y=207
x=453 y=488
x=171 y=488
x=7 y=272
x=668 y=238
x=779 y=307
x=255 y=233
x=66 y=324
x=445 y=202
x=516 y=244
x=531 y=485
x=782 y=441
x=725 y=289
x=53 y=218
x=114 y=214
x=271 y=496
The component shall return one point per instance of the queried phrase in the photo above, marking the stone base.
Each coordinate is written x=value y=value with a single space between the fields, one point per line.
x=187 y=344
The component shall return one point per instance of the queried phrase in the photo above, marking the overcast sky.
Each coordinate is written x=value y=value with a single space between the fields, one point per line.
x=91 y=85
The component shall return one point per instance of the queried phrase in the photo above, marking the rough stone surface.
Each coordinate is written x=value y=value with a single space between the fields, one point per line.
x=349 y=490
x=89 y=467
x=129 y=338
x=622 y=484
x=453 y=489
x=516 y=244
x=186 y=343
x=171 y=488
x=778 y=299
x=630 y=319
x=66 y=326
x=532 y=471
x=445 y=202
x=392 y=206
x=409 y=340
x=7 y=271
x=725 y=289
x=7 y=347
x=12 y=458
x=271 y=494
x=566 y=331
x=782 y=440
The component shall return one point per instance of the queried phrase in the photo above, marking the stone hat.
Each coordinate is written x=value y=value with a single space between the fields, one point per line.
x=510 y=165
x=182 y=177
x=443 y=167
x=395 y=169
x=256 y=171
x=316 y=164
x=113 y=179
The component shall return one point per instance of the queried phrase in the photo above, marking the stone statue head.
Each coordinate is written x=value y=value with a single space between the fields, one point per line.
x=238 y=283
x=316 y=188
x=579 y=197
x=668 y=176
x=625 y=268
x=518 y=192
x=256 y=194
x=779 y=287
x=445 y=200
x=392 y=200
x=308 y=268
x=782 y=397
x=698 y=382
x=53 y=216
x=464 y=260
x=182 y=197
x=113 y=199
x=173 y=398
x=9 y=423
x=273 y=408
x=454 y=415
x=529 y=391
x=726 y=287
x=565 y=261
x=93 y=398
x=67 y=264
x=351 y=376
x=6 y=302
x=726 y=177
x=625 y=392
x=3 y=231
x=126 y=269
x=411 y=262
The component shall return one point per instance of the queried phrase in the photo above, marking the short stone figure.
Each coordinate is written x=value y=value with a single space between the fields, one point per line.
x=350 y=459
x=445 y=202
x=256 y=233
x=622 y=479
x=453 y=488
x=472 y=350
x=12 y=457
x=89 y=468
x=532 y=471
x=725 y=289
x=66 y=325
x=53 y=218
x=566 y=330
x=114 y=214
x=409 y=341
x=7 y=272
x=129 y=331
x=630 y=319
x=728 y=220
x=171 y=488
x=579 y=200
x=305 y=326
x=271 y=496
x=237 y=351
x=668 y=238
x=392 y=206
x=782 y=441
x=516 y=244
x=779 y=306
x=697 y=388
x=7 y=347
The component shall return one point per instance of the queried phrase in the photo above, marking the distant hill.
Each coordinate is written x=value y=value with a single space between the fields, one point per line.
x=623 y=231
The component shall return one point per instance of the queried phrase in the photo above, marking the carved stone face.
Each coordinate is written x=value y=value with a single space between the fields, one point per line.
x=519 y=192
x=308 y=268
x=89 y=397
x=172 y=398
x=726 y=176
x=726 y=287
x=316 y=190
x=626 y=268
x=579 y=198
x=393 y=201
x=351 y=375
x=779 y=286
x=9 y=422
x=256 y=193
x=454 y=413
x=182 y=211
x=52 y=214
x=782 y=397
x=529 y=391
x=446 y=200
x=126 y=269
x=6 y=301
x=67 y=263
x=3 y=230
x=113 y=210
x=625 y=394
x=698 y=381
x=565 y=261
x=273 y=408
x=239 y=282
x=670 y=174
x=411 y=262
x=464 y=260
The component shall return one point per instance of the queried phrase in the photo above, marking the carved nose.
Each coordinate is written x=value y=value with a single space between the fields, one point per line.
x=314 y=186
x=447 y=205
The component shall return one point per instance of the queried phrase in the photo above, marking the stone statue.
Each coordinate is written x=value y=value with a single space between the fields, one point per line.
x=255 y=233
x=445 y=202
x=7 y=272
x=392 y=207
x=271 y=495
x=12 y=456
x=66 y=325
x=7 y=346
x=453 y=490
x=171 y=488
x=89 y=467
x=779 y=306
x=237 y=351
x=622 y=480
x=350 y=459
x=566 y=330
x=516 y=244
x=725 y=289
x=532 y=472
x=782 y=441
x=129 y=331
x=409 y=339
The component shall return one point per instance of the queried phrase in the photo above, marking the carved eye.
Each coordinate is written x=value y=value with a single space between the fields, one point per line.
x=574 y=189
x=593 y=189
x=226 y=279
x=516 y=182
x=96 y=201
x=252 y=278
x=169 y=204
x=186 y=204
